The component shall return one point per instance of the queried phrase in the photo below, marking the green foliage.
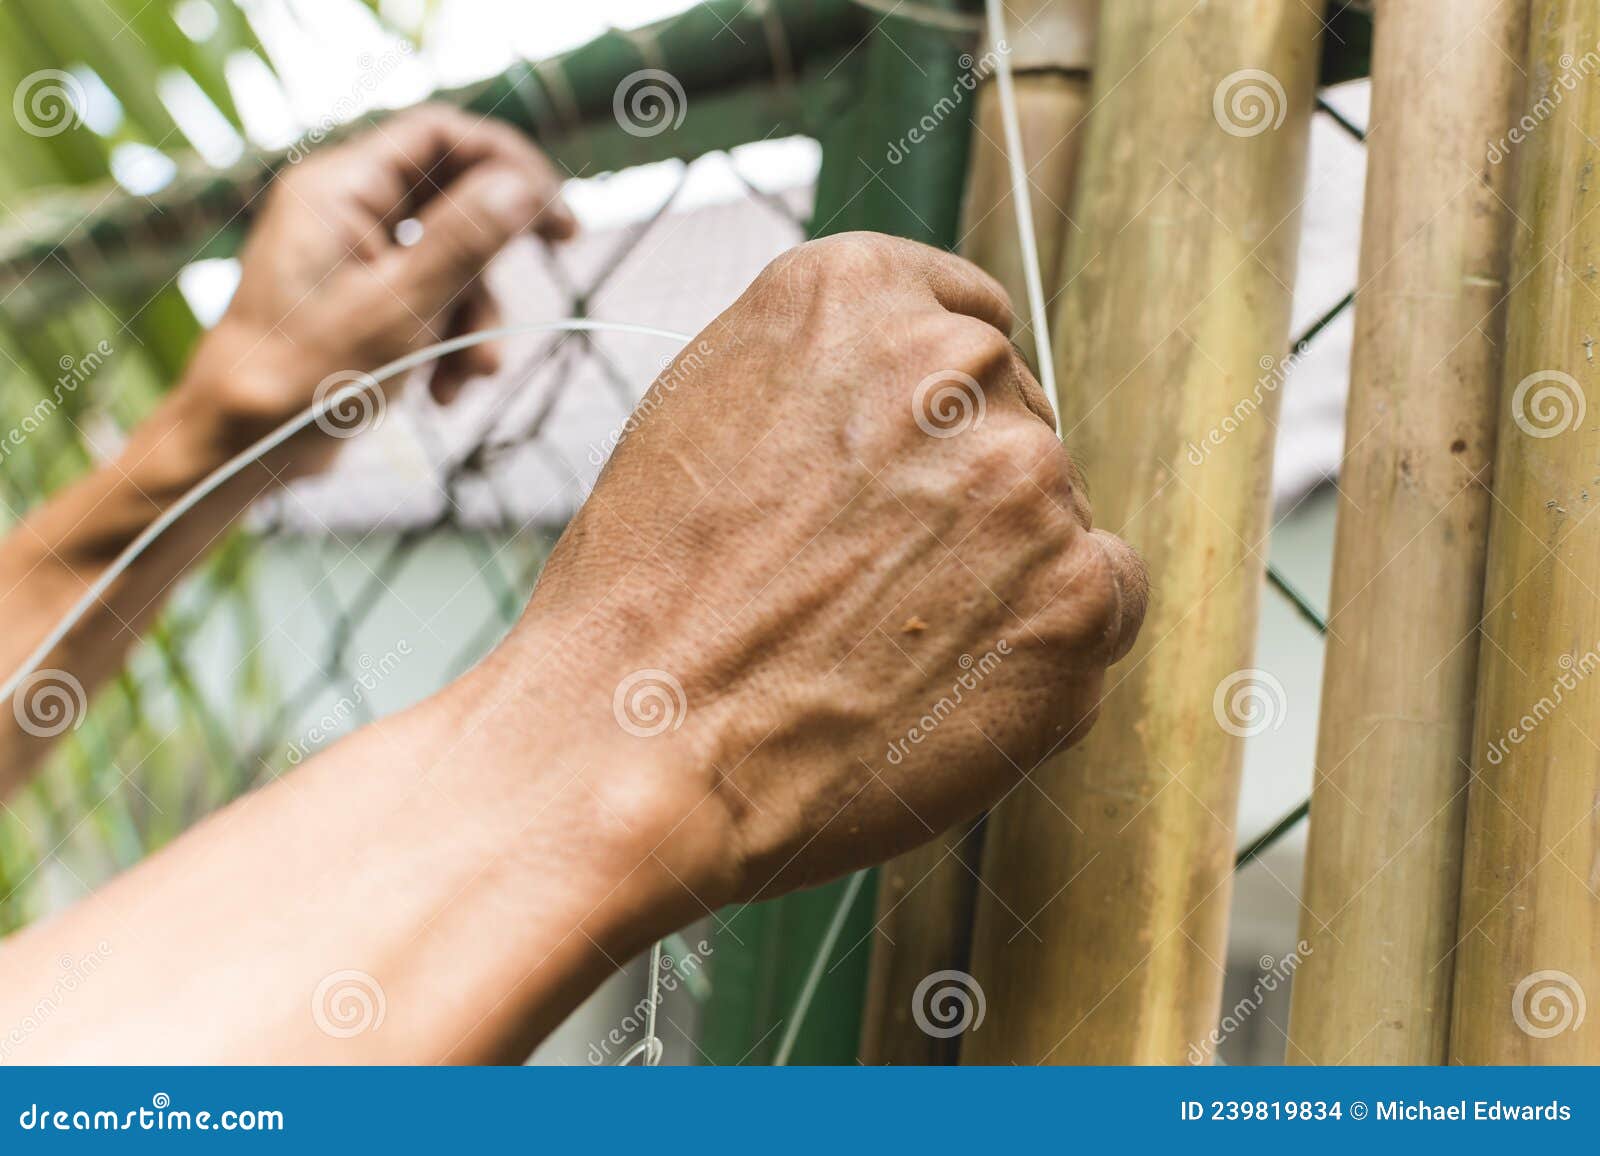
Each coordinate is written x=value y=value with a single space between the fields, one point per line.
x=145 y=762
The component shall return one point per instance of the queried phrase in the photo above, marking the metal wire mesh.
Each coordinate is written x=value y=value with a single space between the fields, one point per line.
x=305 y=624
x=354 y=594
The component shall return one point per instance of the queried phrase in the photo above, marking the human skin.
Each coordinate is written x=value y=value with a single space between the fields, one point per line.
x=325 y=290
x=784 y=549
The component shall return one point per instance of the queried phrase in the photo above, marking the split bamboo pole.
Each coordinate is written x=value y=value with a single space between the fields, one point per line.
x=1528 y=951
x=1101 y=930
x=1383 y=868
x=926 y=898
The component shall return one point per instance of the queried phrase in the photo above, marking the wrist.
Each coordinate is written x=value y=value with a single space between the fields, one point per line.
x=238 y=387
x=632 y=821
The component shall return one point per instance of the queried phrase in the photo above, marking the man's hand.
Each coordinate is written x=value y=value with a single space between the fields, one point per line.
x=327 y=288
x=838 y=590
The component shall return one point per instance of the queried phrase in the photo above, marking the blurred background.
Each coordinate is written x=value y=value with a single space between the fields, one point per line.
x=363 y=590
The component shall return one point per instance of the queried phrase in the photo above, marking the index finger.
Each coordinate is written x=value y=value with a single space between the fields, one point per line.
x=956 y=283
x=427 y=148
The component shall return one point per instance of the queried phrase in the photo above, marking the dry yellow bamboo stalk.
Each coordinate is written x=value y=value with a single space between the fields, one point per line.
x=1101 y=931
x=1528 y=951
x=926 y=898
x=1383 y=869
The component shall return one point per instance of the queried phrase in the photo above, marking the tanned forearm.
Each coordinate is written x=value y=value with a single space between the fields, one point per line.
x=60 y=549
x=443 y=886
x=325 y=289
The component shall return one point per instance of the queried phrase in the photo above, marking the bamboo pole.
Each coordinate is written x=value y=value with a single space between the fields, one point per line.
x=1049 y=43
x=926 y=899
x=1101 y=930
x=1528 y=955
x=1395 y=737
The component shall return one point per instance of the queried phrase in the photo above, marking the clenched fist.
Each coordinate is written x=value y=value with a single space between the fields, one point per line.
x=838 y=587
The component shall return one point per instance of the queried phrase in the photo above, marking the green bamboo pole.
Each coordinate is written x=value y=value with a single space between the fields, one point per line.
x=1528 y=952
x=746 y=72
x=870 y=180
x=1395 y=730
x=1102 y=928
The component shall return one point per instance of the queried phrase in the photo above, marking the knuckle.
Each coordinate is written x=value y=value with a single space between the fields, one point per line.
x=974 y=346
x=844 y=258
x=1094 y=619
x=997 y=465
